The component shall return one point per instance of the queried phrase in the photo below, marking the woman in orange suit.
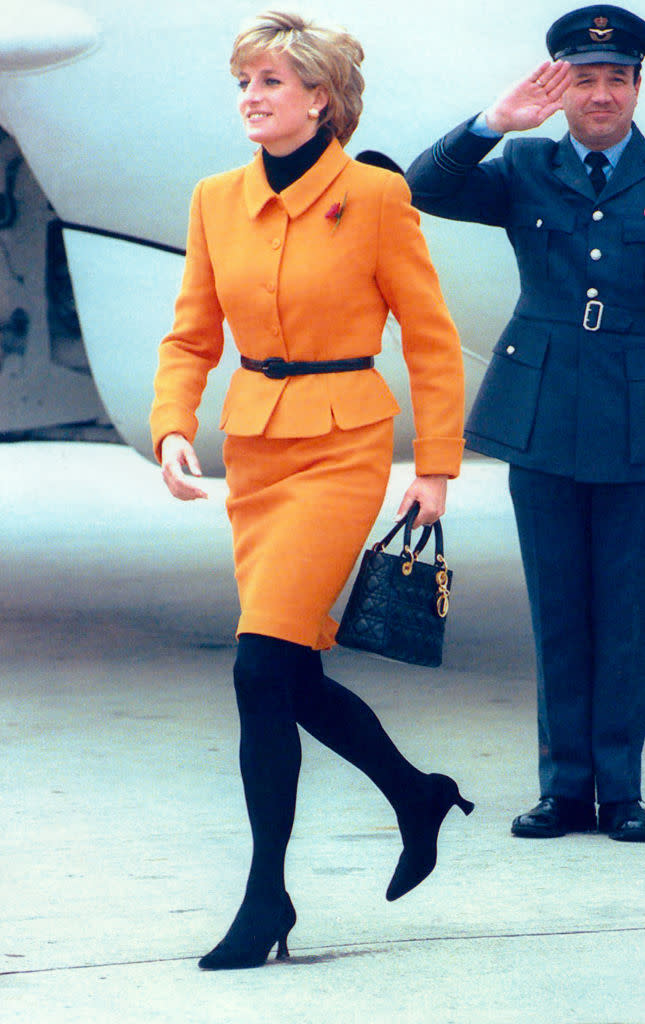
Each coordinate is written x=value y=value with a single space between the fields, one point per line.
x=304 y=252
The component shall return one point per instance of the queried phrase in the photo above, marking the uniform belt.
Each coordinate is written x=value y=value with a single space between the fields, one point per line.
x=277 y=369
x=592 y=316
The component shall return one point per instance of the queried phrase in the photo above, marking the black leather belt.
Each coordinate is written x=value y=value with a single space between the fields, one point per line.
x=277 y=369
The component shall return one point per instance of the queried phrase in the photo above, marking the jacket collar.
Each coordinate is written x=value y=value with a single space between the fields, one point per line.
x=568 y=167
x=303 y=193
x=630 y=168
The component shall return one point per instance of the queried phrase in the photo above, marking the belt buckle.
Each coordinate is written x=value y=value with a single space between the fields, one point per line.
x=274 y=368
x=592 y=318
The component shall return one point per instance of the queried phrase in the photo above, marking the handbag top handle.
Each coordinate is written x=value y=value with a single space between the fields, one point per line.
x=426 y=533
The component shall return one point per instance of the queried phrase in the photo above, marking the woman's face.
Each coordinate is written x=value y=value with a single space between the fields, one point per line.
x=275 y=106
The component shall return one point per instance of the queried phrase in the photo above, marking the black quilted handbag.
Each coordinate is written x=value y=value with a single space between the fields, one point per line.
x=398 y=605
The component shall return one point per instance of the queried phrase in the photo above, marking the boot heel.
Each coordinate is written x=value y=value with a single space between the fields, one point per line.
x=252 y=936
x=464 y=805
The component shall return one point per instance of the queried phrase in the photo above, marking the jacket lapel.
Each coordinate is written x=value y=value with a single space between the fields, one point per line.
x=257 y=191
x=629 y=169
x=570 y=170
x=303 y=193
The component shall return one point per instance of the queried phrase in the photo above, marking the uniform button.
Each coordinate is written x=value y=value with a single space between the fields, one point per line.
x=510 y=349
x=276 y=243
x=271 y=287
x=592 y=293
x=275 y=331
x=596 y=254
x=597 y=215
x=539 y=222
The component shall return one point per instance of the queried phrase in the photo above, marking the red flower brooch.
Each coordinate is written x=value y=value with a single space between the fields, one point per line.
x=336 y=211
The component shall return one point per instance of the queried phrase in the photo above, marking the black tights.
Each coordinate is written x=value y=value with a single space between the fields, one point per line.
x=280 y=685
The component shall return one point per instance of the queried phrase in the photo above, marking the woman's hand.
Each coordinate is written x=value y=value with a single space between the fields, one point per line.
x=529 y=103
x=430 y=492
x=177 y=453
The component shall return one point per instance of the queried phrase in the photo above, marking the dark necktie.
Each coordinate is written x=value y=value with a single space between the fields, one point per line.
x=597 y=162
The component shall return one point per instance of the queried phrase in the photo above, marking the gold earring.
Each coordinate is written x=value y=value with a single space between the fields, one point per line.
x=313 y=114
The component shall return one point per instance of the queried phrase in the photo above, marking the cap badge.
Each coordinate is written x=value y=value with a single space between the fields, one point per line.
x=601 y=33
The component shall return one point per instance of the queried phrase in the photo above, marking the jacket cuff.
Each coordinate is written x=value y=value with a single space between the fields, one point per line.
x=438 y=456
x=461 y=149
x=171 y=420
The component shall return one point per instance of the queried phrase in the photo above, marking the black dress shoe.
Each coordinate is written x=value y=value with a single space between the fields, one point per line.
x=624 y=821
x=257 y=927
x=555 y=816
x=419 y=829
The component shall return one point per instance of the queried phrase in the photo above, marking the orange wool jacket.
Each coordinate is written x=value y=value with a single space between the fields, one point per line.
x=292 y=281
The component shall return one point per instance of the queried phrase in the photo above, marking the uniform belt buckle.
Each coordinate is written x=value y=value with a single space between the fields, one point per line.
x=593 y=315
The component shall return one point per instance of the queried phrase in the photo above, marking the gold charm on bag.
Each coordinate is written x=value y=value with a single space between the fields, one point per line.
x=443 y=593
x=408 y=564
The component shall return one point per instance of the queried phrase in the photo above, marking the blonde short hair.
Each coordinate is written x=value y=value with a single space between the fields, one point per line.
x=321 y=56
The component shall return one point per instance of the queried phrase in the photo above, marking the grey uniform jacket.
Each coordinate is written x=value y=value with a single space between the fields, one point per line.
x=565 y=389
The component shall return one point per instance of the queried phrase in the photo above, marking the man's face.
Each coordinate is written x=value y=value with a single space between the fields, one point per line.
x=600 y=102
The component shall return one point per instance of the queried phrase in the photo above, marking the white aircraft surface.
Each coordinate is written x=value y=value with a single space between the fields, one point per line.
x=119 y=108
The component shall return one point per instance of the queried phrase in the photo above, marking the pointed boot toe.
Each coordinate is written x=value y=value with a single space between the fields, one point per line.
x=425 y=816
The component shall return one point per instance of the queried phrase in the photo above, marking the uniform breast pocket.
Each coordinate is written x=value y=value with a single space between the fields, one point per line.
x=635 y=373
x=542 y=241
x=506 y=405
x=634 y=250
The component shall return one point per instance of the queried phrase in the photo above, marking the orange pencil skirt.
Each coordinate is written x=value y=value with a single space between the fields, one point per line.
x=301 y=510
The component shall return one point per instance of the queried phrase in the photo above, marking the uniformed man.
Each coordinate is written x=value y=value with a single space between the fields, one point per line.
x=563 y=400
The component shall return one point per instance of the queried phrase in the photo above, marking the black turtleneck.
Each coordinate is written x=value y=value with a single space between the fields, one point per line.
x=282 y=171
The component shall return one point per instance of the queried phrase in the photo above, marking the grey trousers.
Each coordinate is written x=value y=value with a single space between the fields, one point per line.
x=583 y=550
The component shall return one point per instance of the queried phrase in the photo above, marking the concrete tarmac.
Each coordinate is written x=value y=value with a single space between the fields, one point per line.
x=125 y=842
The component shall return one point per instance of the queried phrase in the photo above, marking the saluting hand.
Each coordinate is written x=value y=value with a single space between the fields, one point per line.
x=529 y=103
x=177 y=453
